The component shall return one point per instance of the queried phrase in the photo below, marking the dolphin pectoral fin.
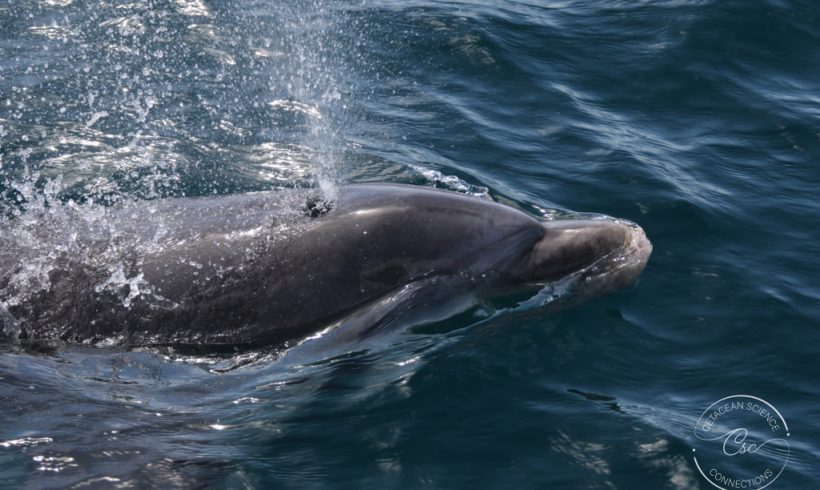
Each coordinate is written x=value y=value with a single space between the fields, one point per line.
x=363 y=322
x=409 y=305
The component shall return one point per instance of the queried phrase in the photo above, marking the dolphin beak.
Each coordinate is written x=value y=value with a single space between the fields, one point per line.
x=608 y=252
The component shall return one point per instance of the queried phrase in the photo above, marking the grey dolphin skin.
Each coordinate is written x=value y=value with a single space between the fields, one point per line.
x=259 y=270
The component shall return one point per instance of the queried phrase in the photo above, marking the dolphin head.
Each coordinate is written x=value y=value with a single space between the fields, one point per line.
x=431 y=231
x=394 y=235
x=592 y=256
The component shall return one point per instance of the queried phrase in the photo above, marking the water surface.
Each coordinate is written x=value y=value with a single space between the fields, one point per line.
x=699 y=120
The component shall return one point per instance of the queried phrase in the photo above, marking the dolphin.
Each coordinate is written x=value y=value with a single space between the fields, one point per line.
x=276 y=268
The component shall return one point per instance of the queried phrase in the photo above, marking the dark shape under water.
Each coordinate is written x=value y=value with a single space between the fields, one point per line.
x=248 y=270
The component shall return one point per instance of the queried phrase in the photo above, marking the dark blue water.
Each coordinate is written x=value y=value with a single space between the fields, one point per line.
x=699 y=120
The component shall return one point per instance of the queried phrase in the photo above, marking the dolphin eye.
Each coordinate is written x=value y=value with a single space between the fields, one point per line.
x=389 y=274
x=316 y=206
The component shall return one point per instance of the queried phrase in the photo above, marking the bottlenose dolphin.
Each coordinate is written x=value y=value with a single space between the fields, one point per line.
x=274 y=268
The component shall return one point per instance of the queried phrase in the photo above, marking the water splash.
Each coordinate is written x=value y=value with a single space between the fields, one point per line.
x=179 y=98
x=314 y=75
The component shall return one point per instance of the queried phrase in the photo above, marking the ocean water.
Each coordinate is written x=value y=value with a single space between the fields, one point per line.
x=699 y=120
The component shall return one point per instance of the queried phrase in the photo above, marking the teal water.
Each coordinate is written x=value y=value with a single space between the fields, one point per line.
x=699 y=120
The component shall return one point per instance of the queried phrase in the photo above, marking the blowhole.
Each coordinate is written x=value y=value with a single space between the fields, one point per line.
x=317 y=206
